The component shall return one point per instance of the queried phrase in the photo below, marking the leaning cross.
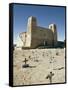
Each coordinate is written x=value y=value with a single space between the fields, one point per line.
x=49 y=76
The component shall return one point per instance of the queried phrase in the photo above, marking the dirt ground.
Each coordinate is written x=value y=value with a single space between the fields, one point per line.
x=45 y=66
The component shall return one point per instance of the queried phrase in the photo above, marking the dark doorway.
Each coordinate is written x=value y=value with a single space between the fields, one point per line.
x=46 y=43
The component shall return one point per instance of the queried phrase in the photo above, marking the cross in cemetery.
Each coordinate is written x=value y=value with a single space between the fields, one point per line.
x=25 y=65
x=25 y=60
x=49 y=76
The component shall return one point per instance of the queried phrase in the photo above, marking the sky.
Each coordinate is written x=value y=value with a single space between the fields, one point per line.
x=45 y=15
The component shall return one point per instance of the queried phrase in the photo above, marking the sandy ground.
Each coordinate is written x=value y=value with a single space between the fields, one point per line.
x=41 y=63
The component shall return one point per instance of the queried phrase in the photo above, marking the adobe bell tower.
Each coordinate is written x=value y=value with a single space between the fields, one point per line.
x=54 y=30
x=32 y=23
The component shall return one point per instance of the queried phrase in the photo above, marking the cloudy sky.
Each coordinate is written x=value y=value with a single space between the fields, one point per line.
x=45 y=15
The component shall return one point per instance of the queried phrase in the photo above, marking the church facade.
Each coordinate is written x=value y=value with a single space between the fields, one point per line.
x=37 y=35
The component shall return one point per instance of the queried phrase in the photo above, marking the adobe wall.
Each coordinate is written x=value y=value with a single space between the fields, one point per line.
x=26 y=39
x=23 y=37
x=41 y=35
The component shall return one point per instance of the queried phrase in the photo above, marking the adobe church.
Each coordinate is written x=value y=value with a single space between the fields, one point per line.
x=38 y=36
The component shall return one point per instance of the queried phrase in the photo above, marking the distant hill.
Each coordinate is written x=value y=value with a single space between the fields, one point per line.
x=61 y=44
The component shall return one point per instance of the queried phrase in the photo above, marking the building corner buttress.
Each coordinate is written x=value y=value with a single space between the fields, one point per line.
x=54 y=30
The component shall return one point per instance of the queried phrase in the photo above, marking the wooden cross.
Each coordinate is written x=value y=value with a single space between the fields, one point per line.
x=49 y=76
x=25 y=60
x=25 y=65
